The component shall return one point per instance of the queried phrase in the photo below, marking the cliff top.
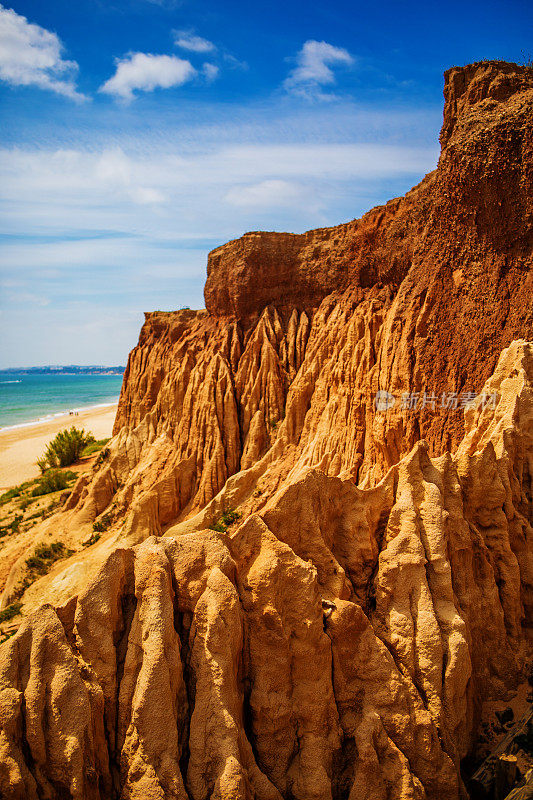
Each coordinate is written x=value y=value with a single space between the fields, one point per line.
x=298 y=270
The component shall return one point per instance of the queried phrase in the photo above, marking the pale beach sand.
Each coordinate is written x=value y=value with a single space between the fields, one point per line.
x=21 y=447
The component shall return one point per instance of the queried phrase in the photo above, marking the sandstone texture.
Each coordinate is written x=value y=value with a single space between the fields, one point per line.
x=339 y=639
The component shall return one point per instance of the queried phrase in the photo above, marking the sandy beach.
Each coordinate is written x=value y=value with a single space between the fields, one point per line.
x=21 y=447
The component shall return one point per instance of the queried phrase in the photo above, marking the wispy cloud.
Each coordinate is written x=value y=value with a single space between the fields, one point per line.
x=206 y=192
x=187 y=40
x=168 y=4
x=122 y=223
x=313 y=69
x=210 y=72
x=32 y=56
x=146 y=72
x=266 y=195
x=117 y=173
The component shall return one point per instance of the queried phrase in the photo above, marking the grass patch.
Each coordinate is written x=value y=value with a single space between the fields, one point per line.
x=10 y=495
x=91 y=540
x=11 y=527
x=52 y=481
x=10 y=611
x=44 y=556
x=65 y=449
x=16 y=491
x=39 y=563
x=25 y=502
x=93 y=447
x=222 y=524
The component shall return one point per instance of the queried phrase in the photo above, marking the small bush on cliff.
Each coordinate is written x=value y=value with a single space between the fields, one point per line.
x=92 y=540
x=102 y=524
x=227 y=519
x=102 y=455
x=65 y=449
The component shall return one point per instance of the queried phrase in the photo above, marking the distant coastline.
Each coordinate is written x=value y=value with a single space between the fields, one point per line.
x=40 y=394
x=70 y=369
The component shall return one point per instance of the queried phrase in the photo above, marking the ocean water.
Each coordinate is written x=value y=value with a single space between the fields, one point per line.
x=29 y=398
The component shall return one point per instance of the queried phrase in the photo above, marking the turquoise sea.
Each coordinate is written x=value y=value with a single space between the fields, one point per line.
x=26 y=398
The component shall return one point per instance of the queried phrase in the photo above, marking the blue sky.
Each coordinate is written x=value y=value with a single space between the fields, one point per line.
x=136 y=136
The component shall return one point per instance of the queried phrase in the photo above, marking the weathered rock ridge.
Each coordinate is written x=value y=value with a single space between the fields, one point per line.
x=339 y=644
x=340 y=640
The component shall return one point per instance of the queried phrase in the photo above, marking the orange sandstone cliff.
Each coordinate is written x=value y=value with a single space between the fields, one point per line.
x=340 y=638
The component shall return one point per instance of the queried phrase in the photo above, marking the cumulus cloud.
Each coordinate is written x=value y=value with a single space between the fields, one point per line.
x=195 y=44
x=147 y=72
x=313 y=69
x=32 y=56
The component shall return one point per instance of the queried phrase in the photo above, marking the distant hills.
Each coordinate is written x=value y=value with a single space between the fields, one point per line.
x=69 y=369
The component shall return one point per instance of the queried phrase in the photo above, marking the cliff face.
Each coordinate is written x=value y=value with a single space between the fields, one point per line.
x=337 y=645
x=420 y=295
x=478 y=201
x=339 y=640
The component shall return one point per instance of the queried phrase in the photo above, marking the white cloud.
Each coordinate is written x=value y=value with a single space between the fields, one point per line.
x=117 y=172
x=313 y=69
x=147 y=72
x=195 y=44
x=207 y=193
x=266 y=194
x=28 y=298
x=102 y=229
x=210 y=72
x=32 y=56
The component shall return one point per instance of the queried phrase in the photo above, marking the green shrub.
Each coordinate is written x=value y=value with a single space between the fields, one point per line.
x=227 y=519
x=42 y=463
x=102 y=524
x=10 y=611
x=91 y=540
x=66 y=448
x=52 y=481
